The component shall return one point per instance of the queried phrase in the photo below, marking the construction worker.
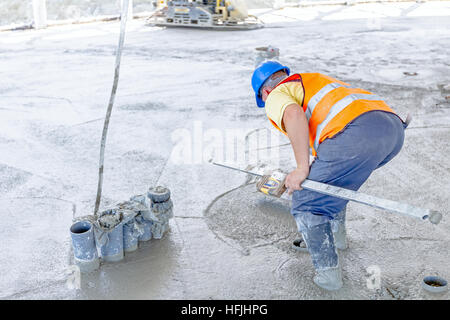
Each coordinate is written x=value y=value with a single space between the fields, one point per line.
x=351 y=132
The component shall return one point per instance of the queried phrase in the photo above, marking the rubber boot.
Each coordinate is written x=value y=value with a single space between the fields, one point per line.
x=329 y=279
x=320 y=242
x=339 y=230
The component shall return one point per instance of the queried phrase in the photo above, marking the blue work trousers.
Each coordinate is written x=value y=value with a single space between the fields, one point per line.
x=347 y=160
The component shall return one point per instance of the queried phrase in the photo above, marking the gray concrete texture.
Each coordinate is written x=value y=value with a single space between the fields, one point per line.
x=226 y=241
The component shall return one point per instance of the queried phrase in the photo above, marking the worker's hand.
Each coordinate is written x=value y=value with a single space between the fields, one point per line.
x=295 y=179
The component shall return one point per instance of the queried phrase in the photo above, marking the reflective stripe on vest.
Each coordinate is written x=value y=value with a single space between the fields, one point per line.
x=319 y=96
x=338 y=107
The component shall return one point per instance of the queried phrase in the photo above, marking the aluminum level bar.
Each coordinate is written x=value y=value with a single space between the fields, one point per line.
x=356 y=196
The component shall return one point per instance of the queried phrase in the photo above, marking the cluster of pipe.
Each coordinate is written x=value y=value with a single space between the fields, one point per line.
x=120 y=228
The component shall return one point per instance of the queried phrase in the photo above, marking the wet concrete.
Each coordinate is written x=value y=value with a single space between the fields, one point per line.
x=226 y=240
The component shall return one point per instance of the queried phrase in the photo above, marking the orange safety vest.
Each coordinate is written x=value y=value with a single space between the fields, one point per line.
x=330 y=104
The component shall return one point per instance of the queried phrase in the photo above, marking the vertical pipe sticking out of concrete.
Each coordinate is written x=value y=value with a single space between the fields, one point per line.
x=40 y=14
x=112 y=248
x=83 y=244
x=146 y=226
x=130 y=236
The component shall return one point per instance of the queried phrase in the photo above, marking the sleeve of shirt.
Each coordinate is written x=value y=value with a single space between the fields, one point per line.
x=281 y=97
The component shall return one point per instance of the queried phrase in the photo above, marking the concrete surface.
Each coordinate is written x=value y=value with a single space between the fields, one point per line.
x=226 y=241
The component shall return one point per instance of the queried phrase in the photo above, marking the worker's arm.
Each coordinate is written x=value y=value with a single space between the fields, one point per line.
x=296 y=126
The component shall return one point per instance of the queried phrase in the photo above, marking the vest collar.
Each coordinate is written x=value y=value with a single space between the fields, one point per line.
x=293 y=77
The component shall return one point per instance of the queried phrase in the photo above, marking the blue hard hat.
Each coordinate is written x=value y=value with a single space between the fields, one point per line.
x=261 y=74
